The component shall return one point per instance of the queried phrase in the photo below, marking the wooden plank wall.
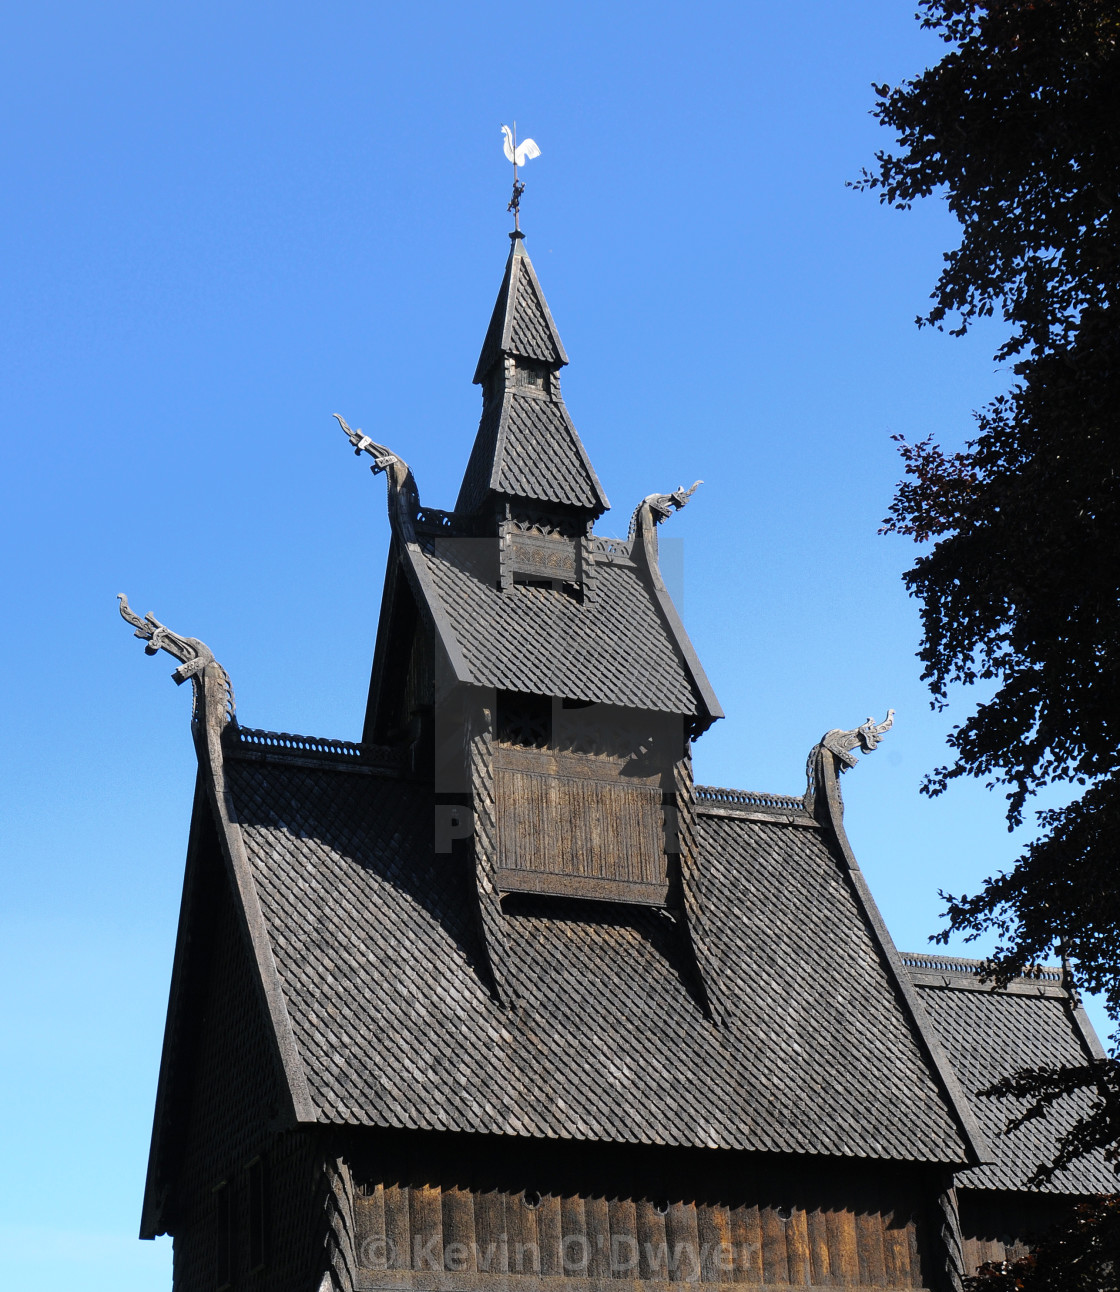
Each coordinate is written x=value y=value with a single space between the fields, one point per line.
x=1000 y=1226
x=581 y=827
x=429 y=1226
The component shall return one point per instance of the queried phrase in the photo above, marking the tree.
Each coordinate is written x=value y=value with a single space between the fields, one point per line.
x=1018 y=127
x=1079 y=1257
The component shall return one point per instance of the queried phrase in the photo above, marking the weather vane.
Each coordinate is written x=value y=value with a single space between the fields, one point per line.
x=519 y=154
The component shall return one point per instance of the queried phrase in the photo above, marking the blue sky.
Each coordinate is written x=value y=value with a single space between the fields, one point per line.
x=223 y=223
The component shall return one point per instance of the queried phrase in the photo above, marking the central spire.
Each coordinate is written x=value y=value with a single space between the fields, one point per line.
x=526 y=449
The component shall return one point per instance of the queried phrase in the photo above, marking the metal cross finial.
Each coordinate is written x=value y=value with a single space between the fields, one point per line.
x=519 y=154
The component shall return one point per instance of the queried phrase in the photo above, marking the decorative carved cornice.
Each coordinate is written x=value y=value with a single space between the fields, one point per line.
x=197 y=663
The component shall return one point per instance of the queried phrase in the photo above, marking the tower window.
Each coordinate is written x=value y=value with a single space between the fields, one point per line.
x=524 y=719
x=531 y=375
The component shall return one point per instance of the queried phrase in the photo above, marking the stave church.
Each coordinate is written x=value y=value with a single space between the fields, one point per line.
x=498 y=999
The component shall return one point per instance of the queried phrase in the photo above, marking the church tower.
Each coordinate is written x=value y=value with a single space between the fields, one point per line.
x=539 y=670
x=498 y=1000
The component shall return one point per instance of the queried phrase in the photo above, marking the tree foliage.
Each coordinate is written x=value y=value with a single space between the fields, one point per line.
x=1082 y=1256
x=1018 y=128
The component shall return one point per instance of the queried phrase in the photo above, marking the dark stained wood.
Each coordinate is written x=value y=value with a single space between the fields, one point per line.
x=896 y=1250
x=492 y=1238
x=458 y=1229
x=625 y=1254
x=843 y=1247
x=820 y=1256
x=575 y=1249
x=914 y=1243
x=524 y=1245
x=683 y=1237
x=597 y=1212
x=369 y=1226
x=746 y=1238
x=397 y=1232
x=797 y=1248
x=653 y=1257
x=549 y=1234
x=571 y=818
x=496 y=1227
x=775 y=1254
x=425 y=1222
x=716 y=1257
x=869 y=1246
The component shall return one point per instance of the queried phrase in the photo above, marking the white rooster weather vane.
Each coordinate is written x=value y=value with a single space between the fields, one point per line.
x=519 y=154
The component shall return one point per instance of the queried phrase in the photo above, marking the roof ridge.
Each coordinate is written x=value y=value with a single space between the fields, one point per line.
x=253 y=742
x=750 y=798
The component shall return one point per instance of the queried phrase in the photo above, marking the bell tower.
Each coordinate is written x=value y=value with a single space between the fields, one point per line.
x=540 y=670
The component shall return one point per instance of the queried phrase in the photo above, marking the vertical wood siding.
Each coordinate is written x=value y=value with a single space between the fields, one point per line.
x=429 y=1228
x=586 y=829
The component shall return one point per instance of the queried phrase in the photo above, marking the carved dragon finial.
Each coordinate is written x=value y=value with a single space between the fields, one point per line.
x=840 y=744
x=662 y=505
x=397 y=470
x=867 y=736
x=194 y=656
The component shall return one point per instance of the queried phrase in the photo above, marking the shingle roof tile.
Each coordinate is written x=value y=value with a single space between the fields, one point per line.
x=374 y=932
x=614 y=648
x=989 y=1034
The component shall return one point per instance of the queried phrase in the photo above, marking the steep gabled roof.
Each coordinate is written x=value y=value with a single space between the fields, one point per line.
x=521 y=323
x=989 y=1033
x=526 y=446
x=615 y=647
x=394 y=1024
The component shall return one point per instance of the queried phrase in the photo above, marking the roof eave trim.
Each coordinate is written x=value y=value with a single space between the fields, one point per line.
x=979 y=1151
x=645 y=550
x=208 y=739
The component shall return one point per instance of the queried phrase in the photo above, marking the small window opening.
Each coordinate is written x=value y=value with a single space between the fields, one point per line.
x=531 y=375
x=524 y=719
x=258 y=1214
x=223 y=1255
x=553 y=585
x=532 y=1199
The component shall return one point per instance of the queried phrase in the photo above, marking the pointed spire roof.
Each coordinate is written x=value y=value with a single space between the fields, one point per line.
x=521 y=324
x=526 y=446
